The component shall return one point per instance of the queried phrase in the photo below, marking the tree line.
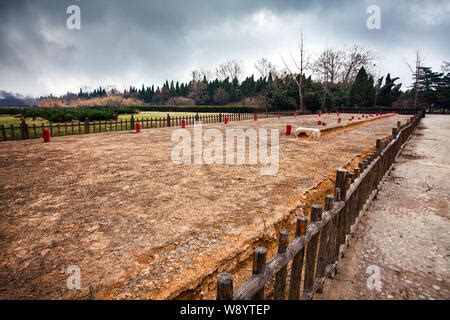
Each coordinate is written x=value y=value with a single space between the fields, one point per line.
x=333 y=79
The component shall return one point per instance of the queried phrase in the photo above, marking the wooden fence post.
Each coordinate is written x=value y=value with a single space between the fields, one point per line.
x=4 y=133
x=311 y=254
x=86 y=125
x=259 y=266
x=326 y=240
x=341 y=182
x=379 y=146
x=297 y=262
x=280 y=278
x=132 y=122
x=332 y=257
x=224 y=286
x=23 y=129
x=357 y=172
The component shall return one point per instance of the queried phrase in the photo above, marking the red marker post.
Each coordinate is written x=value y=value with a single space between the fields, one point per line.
x=288 y=129
x=324 y=124
x=225 y=120
x=339 y=120
x=46 y=135
x=138 y=127
x=183 y=123
x=255 y=117
x=319 y=123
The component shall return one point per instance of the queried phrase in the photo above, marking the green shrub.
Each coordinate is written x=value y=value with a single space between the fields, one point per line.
x=69 y=114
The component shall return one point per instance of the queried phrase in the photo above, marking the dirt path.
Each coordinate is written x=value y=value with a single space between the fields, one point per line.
x=405 y=234
x=138 y=225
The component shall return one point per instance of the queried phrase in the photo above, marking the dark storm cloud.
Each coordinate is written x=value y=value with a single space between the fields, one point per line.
x=129 y=42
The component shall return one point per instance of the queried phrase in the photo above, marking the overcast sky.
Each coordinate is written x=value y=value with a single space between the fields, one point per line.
x=123 y=43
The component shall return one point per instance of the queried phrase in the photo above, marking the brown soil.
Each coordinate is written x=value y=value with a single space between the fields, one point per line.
x=141 y=227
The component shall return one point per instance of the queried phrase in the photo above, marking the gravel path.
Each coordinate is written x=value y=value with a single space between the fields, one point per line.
x=404 y=237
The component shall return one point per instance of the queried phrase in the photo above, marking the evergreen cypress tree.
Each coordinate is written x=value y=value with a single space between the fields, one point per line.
x=362 y=92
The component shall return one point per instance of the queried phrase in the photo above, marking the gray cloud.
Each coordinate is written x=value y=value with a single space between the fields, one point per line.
x=126 y=43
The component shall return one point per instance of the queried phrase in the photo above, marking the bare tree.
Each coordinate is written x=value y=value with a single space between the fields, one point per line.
x=200 y=74
x=265 y=68
x=302 y=64
x=445 y=67
x=416 y=75
x=355 y=58
x=230 y=69
x=328 y=67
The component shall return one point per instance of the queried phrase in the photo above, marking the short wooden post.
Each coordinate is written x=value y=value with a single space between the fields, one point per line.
x=394 y=133
x=341 y=182
x=351 y=177
x=280 y=277
x=224 y=286
x=379 y=146
x=361 y=167
x=132 y=122
x=311 y=254
x=4 y=133
x=259 y=266
x=357 y=172
x=23 y=129
x=337 y=194
x=86 y=125
x=297 y=261
x=329 y=202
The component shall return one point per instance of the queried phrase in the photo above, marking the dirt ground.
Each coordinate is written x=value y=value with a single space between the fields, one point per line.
x=405 y=233
x=141 y=227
